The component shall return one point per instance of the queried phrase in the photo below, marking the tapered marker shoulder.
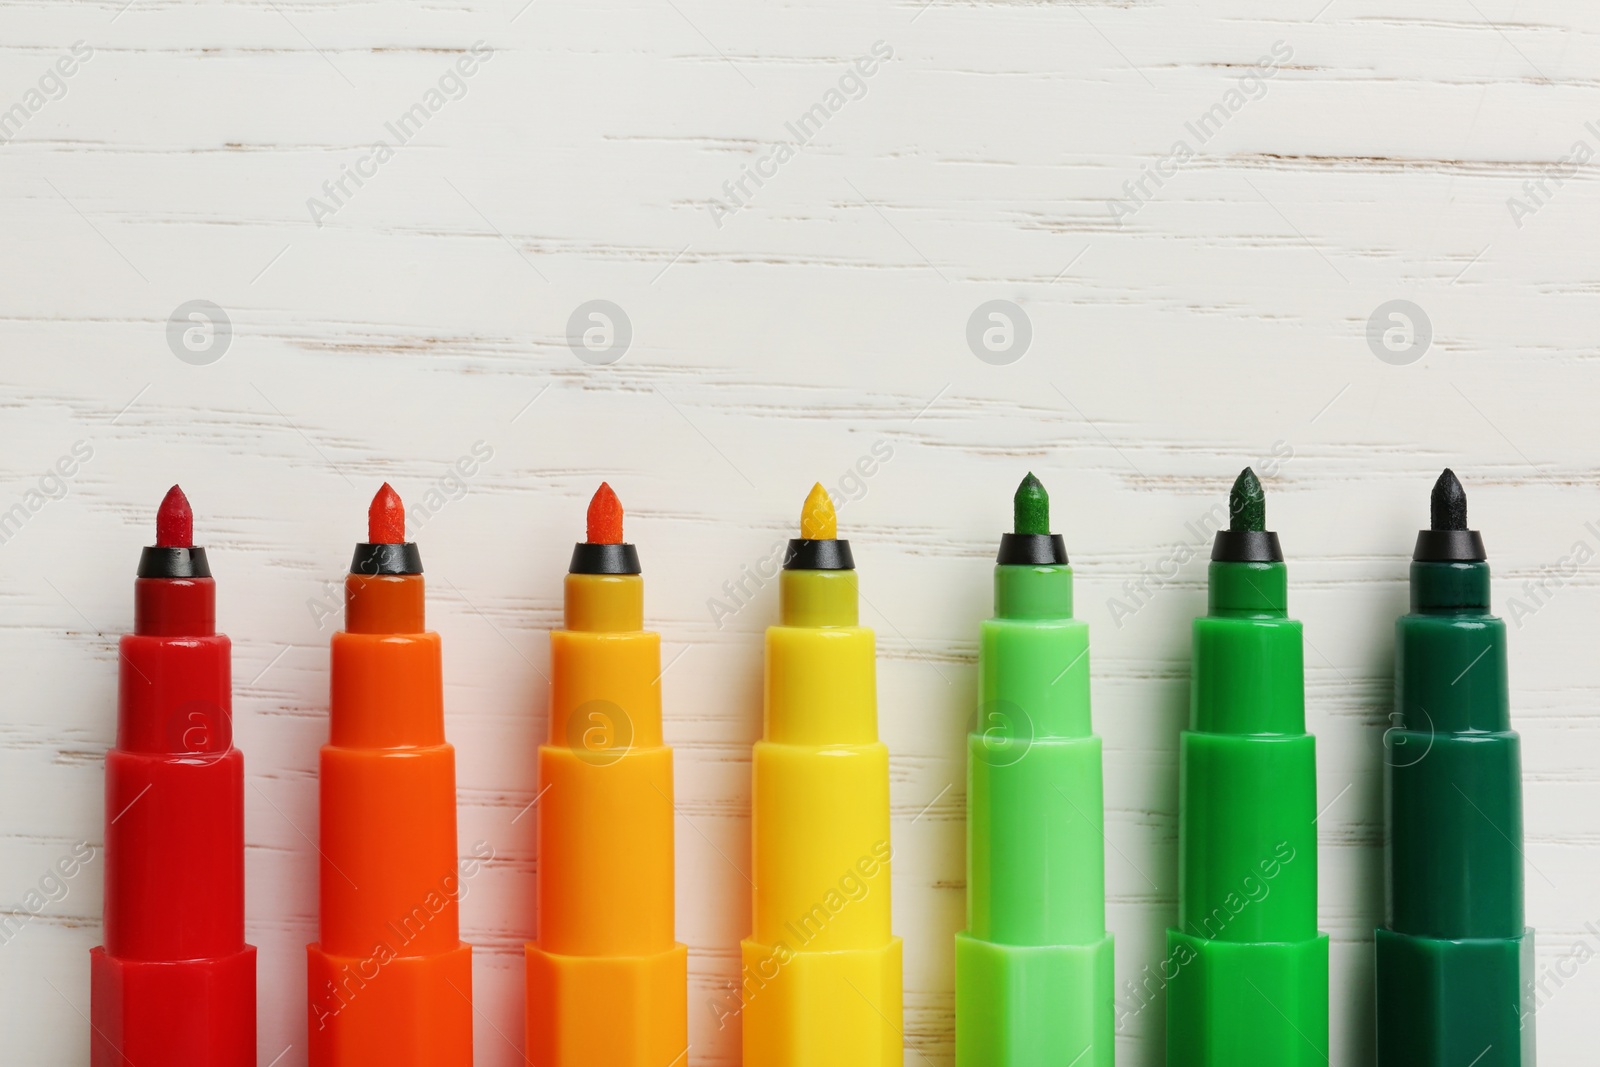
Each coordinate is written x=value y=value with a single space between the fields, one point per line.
x=821 y=977
x=1454 y=963
x=1249 y=969
x=607 y=978
x=389 y=980
x=174 y=982
x=1034 y=984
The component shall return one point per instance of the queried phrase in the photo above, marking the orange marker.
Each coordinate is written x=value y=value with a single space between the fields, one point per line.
x=607 y=980
x=390 y=981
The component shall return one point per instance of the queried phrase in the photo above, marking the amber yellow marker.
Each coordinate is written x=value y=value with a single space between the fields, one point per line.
x=607 y=979
x=821 y=975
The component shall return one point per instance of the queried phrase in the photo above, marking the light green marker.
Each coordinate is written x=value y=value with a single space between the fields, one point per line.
x=1034 y=967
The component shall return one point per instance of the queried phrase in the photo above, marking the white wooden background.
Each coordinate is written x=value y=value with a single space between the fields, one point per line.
x=428 y=313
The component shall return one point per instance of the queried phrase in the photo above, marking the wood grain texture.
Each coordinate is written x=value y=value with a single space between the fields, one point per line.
x=1224 y=318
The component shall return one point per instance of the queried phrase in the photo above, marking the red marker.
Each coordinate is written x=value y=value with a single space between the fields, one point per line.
x=174 y=983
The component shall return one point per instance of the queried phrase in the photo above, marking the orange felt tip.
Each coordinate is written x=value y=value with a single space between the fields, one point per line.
x=175 y=521
x=386 y=518
x=605 y=517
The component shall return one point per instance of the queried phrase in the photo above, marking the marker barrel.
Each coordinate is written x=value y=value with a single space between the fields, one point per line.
x=821 y=980
x=390 y=981
x=1454 y=960
x=1247 y=969
x=607 y=979
x=1034 y=983
x=174 y=981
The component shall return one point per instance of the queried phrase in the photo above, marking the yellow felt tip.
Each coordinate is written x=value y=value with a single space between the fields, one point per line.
x=818 y=520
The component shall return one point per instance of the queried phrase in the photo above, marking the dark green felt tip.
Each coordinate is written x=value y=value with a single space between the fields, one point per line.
x=1247 y=503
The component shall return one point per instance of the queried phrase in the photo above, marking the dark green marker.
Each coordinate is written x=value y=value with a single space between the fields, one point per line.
x=1454 y=962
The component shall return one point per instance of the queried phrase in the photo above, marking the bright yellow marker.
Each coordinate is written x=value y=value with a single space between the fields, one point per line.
x=818 y=520
x=821 y=976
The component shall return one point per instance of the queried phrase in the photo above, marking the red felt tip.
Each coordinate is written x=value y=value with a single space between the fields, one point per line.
x=605 y=517
x=386 y=518
x=175 y=521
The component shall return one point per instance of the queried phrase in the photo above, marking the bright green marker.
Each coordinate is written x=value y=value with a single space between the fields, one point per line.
x=1247 y=969
x=1034 y=967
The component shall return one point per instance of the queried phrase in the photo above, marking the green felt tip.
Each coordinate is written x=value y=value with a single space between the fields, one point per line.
x=1032 y=507
x=1247 y=503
